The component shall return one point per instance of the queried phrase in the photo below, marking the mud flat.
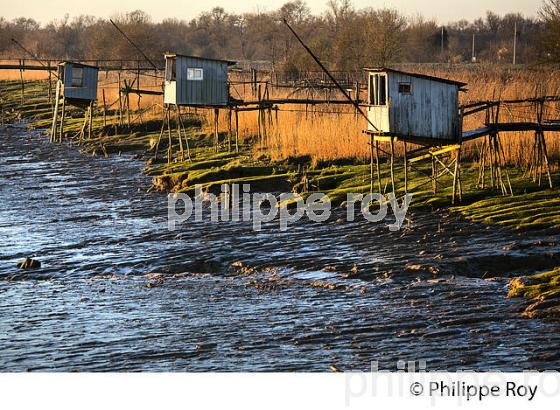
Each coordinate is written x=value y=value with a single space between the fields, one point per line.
x=117 y=291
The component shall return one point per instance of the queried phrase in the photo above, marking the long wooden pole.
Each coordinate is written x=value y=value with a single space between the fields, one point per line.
x=55 y=111
x=62 y=117
x=405 y=169
x=216 y=134
x=170 y=141
x=229 y=130
x=371 y=159
x=186 y=134
x=104 y=108
x=236 y=131
x=393 y=165
x=377 y=165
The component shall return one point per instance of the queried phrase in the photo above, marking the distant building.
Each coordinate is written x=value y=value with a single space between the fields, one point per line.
x=413 y=107
x=79 y=81
x=196 y=81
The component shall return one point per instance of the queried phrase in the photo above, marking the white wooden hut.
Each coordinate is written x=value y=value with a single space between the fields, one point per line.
x=413 y=107
x=196 y=81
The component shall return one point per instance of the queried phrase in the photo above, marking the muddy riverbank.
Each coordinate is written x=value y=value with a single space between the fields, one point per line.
x=118 y=291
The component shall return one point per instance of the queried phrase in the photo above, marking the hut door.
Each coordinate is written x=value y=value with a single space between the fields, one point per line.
x=378 y=99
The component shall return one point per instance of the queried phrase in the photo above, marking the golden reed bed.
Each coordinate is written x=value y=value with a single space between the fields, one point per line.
x=333 y=132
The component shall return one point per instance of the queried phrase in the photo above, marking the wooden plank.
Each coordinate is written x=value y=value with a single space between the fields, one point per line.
x=435 y=153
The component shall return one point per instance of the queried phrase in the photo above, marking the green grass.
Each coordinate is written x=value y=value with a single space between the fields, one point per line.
x=543 y=290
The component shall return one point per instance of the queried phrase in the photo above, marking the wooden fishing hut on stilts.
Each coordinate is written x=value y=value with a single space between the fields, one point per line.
x=77 y=86
x=415 y=109
x=194 y=82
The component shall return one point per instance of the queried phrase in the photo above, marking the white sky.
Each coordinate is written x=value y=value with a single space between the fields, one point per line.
x=442 y=10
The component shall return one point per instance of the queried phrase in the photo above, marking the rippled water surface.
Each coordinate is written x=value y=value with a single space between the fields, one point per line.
x=118 y=291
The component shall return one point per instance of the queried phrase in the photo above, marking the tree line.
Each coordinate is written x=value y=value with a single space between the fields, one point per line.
x=345 y=37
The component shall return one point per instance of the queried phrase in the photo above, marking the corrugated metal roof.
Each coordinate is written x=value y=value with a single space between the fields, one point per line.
x=228 y=62
x=78 y=64
x=428 y=77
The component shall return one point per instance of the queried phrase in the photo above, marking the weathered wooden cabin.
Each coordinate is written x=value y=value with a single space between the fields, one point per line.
x=196 y=81
x=413 y=107
x=79 y=82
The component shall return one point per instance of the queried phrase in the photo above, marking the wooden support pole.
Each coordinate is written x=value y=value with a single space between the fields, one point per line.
x=84 y=125
x=22 y=82
x=503 y=159
x=160 y=134
x=186 y=134
x=104 y=108
x=405 y=169
x=170 y=141
x=90 y=127
x=50 y=85
x=216 y=134
x=434 y=175
x=371 y=159
x=492 y=161
x=259 y=120
x=545 y=159
x=393 y=185
x=378 y=168
x=178 y=128
x=120 y=101
x=61 y=134
x=127 y=100
x=236 y=131
x=55 y=111
x=229 y=130
x=482 y=164
x=456 y=175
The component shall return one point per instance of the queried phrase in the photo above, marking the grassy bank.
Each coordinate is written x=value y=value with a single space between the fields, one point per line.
x=530 y=207
x=542 y=292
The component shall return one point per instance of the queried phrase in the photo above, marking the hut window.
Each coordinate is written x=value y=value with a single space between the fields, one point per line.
x=171 y=69
x=77 y=77
x=405 y=88
x=195 y=74
x=378 y=89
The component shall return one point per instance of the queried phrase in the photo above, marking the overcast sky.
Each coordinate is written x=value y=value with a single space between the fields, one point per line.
x=442 y=10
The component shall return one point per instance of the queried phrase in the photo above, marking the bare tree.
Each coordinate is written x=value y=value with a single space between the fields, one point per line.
x=550 y=40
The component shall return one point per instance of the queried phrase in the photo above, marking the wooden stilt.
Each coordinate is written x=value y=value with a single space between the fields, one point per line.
x=216 y=134
x=371 y=155
x=434 y=175
x=259 y=119
x=61 y=134
x=378 y=168
x=545 y=159
x=393 y=165
x=21 y=62
x=482 y=165
x=178 y=127
x=170 y=141
x=55 y=112
x=50 y=84
x=509 y=189
x=104 y=108
x=405 y=169
x=127 y=98
x=186 y=134
x=160 y=133
x=236 y=131
x=120 y=101
x=90 y=127
x=455 y=175
x=229 y=130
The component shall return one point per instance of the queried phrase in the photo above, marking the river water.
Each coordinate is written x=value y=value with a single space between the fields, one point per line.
x=117 y=291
